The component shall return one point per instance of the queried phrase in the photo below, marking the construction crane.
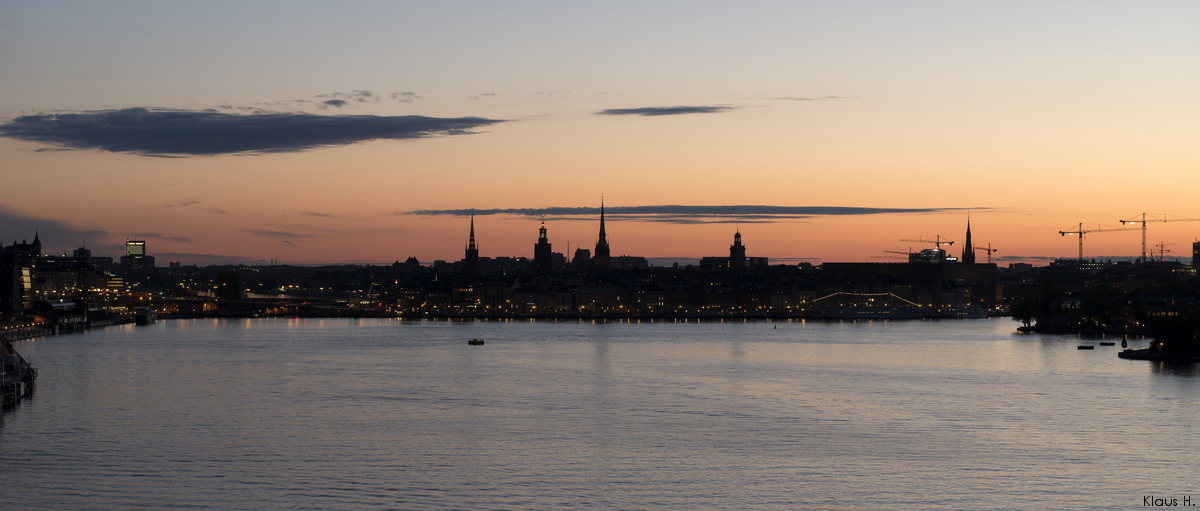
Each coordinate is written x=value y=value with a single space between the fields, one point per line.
x=989 y=251
x=1154 y=217
x=935 y=255
x=1162 y=250
x=937 y=241
x=907 y=255
x=1080 y=231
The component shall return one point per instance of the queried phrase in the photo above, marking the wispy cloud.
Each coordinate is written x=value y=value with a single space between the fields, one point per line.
x=280 y=235
x=157 y=236
x=405 y=97
x=358 y=96
x=183 y=203
x=214 y=211
x=654 y=111
x=336 y=103
x=165 y=132
x=316 y=214
x=819 y=98
x=682 y=214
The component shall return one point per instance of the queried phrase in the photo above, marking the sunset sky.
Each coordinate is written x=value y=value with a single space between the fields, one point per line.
x=367 y=131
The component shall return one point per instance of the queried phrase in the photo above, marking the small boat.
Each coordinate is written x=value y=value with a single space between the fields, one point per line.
x=145 y=317
x=1108 y=344
x=1086 y=347
x=475 y=342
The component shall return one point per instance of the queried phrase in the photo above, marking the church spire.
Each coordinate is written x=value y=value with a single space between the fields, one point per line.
x=471 y=243
x=968 y=253
x=471 y=261
x=602 y=258
x=603 y=236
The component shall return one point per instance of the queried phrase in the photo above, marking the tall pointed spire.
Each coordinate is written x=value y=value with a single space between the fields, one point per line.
x=602 y=258
x=968 y=253
x=471 y=244
x=603 y=236
x=471 y=261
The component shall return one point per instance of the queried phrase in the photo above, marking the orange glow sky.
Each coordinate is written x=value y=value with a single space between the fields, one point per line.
x=1034 y=116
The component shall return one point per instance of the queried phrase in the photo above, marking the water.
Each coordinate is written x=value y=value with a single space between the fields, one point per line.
x=379 y=414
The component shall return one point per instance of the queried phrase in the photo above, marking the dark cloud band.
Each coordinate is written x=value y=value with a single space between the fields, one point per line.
x=154 y=132
x=679 y=214
x=665 y=110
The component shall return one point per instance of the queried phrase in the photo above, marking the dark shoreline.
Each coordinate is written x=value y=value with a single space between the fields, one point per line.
x=1159 y=356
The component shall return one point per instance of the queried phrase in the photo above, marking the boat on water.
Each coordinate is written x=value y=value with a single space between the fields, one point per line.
x=145 y=317
x=475 y=342
x=965 y=313
x=843 y=305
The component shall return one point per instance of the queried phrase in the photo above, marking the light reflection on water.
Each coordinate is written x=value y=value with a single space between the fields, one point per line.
x=336 y=414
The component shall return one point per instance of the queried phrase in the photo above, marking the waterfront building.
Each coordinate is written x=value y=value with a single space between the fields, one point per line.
x=713 y=263
x=582 y=259
x=64 y=277
x=16 y=274
x=27 y=249
x=542 y=259
x=737 y=252
x=627 y=262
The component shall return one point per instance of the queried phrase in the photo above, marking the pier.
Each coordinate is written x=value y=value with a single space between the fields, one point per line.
x=16 y=375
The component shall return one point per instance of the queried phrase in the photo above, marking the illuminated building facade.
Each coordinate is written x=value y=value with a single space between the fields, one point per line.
x=135 y=257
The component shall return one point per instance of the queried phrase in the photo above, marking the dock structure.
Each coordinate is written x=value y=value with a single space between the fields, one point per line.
x=16 y=375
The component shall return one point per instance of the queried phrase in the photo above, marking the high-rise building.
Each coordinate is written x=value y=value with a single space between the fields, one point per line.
x=602 y=259
x=968 y=253
x=541 y=252
x=135 y=247
x=471 y=261
x=135 y=257
x=1196 y=254
x=83 y=253
x=737 y=252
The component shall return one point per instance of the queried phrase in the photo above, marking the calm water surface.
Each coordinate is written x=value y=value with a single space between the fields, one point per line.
x=350 y=414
